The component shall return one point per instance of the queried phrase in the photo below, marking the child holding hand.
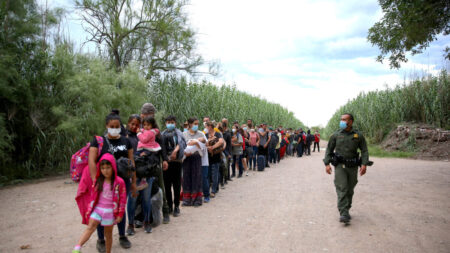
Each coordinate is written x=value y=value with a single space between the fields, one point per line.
x=108 y=203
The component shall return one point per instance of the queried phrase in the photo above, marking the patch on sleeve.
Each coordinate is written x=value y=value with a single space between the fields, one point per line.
x=355 y=136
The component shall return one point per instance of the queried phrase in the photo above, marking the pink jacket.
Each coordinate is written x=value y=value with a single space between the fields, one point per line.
x=147 y=139
x=87 y=196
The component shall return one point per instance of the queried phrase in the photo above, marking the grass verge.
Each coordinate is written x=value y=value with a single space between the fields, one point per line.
x=377 y=151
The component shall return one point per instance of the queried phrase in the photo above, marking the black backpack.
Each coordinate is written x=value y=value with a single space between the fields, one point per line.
x=274 y=140
x=147 y=165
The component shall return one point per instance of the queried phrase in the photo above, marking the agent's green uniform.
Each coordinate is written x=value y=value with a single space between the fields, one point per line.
x=346 y=144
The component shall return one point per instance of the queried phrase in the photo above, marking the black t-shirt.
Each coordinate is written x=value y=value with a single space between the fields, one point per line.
x=132 y=137
x=214 y=158
x=227 y=138
x=119 y=147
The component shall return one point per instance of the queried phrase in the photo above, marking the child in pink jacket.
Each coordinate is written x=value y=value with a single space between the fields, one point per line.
x=108 y=201
x=147 y=137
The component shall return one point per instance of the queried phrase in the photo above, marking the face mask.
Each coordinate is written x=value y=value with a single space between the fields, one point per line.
x=195 y=128
x=114 y=132
x=245 y=129
x=261 y=130
x=343 y=125
x=252 y=130
x=206 y=130
x=185 y=130
x=170 y=127
x=234 y=130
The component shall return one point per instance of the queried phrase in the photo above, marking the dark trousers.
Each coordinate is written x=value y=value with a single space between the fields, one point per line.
x=318 y=147
x=300 y=150
x=121 y=225
x=240 y=164
x=308 y=149
x=277 y=151
x=272 y=155
x=172 y=178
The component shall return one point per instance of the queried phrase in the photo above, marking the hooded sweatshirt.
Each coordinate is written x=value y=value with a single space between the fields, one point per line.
x=87 y=196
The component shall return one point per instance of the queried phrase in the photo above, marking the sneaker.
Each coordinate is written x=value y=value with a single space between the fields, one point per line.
x=138 y=224
x=206 y=199
x=197 y=204
x=222 y=187
x=246 y=174
x=130 y=230
x=147 y=228
x=124 y=242
x=240 y=175
x=176 y=212
x=212 y=195
x=76 y=251
x=101 y=247
x=166 y=218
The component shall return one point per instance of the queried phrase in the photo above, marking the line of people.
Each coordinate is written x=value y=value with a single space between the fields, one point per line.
x=181 y=167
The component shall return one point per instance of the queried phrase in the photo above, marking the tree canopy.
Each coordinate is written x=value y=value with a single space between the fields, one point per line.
x=409 y=26
x=153 y=33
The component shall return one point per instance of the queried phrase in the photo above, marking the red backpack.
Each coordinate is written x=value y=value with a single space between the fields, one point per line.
x=81 y=158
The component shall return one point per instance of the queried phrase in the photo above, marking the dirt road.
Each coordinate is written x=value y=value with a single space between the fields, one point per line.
x=399 y=206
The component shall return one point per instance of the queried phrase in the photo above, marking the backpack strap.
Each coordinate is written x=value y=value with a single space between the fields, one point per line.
x=100 y=145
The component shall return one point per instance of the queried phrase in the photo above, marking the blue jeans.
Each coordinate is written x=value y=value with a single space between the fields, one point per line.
x=252 y=157
x=120 y=225
x=205 y=181
x=241 y=166
x=215 y=176
x=272 y=155
x=146 y=201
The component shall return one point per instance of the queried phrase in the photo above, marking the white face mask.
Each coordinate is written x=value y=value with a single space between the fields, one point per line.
x=114 y=132
x=206 y=130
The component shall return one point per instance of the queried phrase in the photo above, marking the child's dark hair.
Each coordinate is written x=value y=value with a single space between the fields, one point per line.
x=191 y=120
x=171 y=118
x=134 y=116
x=115 y=111
x=101 y=178
x=151 y=120
x=111 y=117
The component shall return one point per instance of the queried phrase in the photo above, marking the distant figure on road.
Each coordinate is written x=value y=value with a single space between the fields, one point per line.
x=316 y=141
x=345 y=143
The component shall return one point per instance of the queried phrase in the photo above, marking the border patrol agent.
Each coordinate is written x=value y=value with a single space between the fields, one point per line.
x=346 y=142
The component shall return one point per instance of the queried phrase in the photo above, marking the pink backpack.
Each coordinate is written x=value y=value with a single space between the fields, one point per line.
x=80 y=159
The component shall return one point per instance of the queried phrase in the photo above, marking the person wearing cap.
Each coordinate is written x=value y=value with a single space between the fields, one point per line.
x=148 y=109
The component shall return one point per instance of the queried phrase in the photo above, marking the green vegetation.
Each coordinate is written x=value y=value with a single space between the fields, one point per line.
x=377 y=151
x=54 y=100
x=185 y=99
x=425 y=100
x=409 y=26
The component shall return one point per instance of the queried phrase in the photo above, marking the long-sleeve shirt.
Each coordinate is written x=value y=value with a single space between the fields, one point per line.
x=347 y=144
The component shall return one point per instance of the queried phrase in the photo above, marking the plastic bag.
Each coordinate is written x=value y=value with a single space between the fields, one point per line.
x=157 y=203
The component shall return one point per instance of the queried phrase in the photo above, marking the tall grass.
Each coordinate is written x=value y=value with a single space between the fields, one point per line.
x=185 y=99
x=425 y=100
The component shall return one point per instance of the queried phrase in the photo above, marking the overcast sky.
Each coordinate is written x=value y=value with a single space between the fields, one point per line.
x=310 y=56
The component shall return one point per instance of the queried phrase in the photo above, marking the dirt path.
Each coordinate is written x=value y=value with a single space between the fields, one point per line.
x=399 y=206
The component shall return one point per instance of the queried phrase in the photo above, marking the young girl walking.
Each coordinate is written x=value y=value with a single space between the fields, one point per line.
x=108 y=201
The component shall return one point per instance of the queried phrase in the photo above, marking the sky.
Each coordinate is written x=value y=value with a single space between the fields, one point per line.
x=310 y=56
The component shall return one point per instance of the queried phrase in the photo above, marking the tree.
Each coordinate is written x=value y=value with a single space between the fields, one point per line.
x=409 y=26
x=152 y=32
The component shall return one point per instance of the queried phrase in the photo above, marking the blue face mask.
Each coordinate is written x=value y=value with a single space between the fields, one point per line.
x=342 y=125
x=195 y=128
x=170 y=127
x=185 y=130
